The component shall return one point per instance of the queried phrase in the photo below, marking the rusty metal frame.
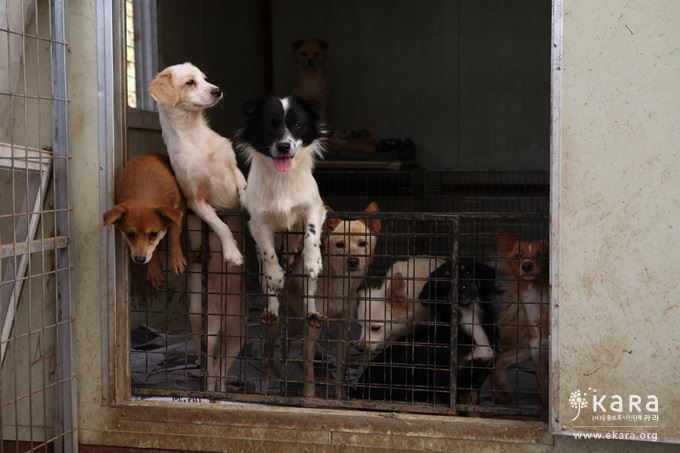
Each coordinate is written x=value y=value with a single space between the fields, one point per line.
x=112 y=151
x=555 y=161
x=453 y=222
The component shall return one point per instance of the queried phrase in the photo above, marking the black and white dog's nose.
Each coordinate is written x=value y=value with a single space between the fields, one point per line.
x=283 y=148
x=216 y=92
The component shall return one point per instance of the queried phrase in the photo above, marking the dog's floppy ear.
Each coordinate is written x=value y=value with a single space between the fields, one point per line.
x=398 y=289
x=295 y=45
x=162 y=90
x=373 y=225
x=115 y=213
x=249 y=107
x=506 y=241
x=171 y=214
x=332 y=223
x=323 y=44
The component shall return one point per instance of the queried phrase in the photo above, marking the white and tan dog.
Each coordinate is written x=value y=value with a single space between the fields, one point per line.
x=205 y=166
x=349 y=246
x=282 y=138
x=203 y=161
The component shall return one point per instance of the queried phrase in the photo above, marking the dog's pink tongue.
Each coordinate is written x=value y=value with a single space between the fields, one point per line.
x=283 y=163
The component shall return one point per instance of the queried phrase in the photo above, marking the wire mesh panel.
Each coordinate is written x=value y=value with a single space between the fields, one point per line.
x=437 y=190
x=37 y=391
x=411 y=313
x=394 y=190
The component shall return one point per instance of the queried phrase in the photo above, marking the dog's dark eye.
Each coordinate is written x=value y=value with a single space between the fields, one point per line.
x=131 y=234
x=297 y=125
x=340 y=245
x=190 y=82
x=153 y=235
x=518 y=255
x=361 y=243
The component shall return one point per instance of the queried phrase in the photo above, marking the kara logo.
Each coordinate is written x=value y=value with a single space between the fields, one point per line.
x=615 y=403
x=578 y=402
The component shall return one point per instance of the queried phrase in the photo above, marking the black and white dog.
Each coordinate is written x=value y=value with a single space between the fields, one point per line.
x=282 y=138
x=417 y=368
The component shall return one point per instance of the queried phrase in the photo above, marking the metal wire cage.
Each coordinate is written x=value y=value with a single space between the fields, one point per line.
x=37 y=392
x=426 y=190
x=415 y=308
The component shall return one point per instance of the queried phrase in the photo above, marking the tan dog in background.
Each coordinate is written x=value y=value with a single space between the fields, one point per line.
x=149 y=205
x=311 y=81
x=206 y=169
x=524 y=325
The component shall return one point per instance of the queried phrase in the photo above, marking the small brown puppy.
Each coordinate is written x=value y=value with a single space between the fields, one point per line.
x=524 y=325
x=311 y=80
x=149 y=205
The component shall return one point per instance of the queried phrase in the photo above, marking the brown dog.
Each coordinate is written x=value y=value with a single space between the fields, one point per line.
x=149 y=205
x=524 y=325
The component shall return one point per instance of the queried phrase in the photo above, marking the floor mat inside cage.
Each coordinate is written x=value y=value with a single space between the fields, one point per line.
x=168 y=362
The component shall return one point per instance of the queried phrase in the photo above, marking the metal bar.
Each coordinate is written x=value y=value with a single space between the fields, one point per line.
x=205 y=306
x=316 y=402
x=107 y=266
x=26 y=35
x=33 y=246
x=555 y=162
x=66 y=395
x=24 y=157
x=425 y=216
x=431 y=216
x=455 y=227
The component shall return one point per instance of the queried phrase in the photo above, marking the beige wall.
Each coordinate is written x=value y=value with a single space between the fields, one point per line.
x=618 y=254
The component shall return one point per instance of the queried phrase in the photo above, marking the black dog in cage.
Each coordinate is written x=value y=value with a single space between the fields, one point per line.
x=418 y=367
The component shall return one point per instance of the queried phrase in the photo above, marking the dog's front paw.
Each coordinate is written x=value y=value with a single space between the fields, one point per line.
x=154 y=274
x=269 y=318
x=178 y=264
x=274 y=275
x=231 y=254
x=313 y=264
x=316 y=320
